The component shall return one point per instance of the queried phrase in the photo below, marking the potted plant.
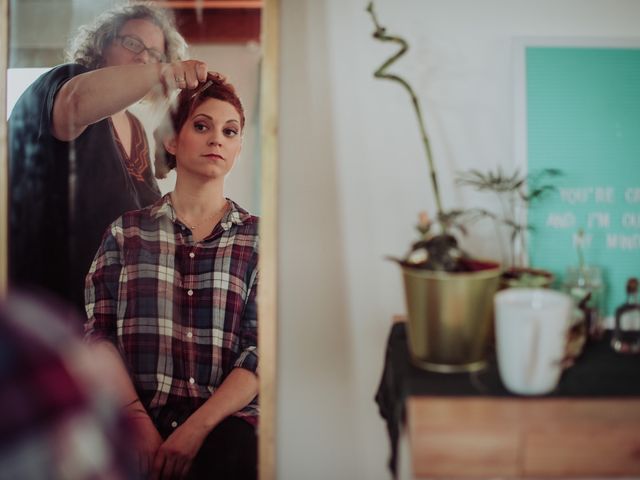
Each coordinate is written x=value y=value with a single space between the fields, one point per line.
x=515 y=193
x=449 y=295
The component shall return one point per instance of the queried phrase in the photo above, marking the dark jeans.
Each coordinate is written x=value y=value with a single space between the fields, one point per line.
x=229 y=453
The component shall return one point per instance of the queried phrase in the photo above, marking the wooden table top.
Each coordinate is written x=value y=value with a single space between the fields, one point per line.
x=524 y=437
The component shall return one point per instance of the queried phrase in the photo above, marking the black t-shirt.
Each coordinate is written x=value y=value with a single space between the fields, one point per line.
x=63 y=195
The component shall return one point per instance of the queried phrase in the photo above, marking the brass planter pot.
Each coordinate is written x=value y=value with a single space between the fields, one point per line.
x=450 y=317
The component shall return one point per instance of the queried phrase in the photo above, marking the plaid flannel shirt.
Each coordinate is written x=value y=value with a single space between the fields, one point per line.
x=181 y=313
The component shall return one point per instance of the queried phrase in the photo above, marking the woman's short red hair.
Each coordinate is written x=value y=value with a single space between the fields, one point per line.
x=216 y=86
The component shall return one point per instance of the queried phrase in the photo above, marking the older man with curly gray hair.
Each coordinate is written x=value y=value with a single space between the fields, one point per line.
x=88 y=46
x=78 y=157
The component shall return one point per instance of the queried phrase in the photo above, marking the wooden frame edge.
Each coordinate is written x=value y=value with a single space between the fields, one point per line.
x=267 y=293
x=4 y=149
x=267 y=296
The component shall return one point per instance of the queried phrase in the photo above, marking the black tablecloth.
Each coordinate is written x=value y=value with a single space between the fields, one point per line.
x=598 y=372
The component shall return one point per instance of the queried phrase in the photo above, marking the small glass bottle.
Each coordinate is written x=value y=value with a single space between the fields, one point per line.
x=584 y=284
x=626 y=334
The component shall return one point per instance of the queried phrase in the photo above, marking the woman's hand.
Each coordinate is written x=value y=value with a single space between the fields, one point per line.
x=147 y=440
x=175 y=456
x=186 y=74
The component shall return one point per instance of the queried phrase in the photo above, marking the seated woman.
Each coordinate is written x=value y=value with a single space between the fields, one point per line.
x=172 y=292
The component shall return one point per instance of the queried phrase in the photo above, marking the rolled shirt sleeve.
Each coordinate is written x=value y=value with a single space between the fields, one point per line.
x=101 y=287
x=248 y=358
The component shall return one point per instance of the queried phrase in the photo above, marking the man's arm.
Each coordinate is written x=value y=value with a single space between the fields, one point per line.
x=98 y=94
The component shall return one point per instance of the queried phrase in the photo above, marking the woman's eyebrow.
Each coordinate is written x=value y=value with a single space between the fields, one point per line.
x=231 y=120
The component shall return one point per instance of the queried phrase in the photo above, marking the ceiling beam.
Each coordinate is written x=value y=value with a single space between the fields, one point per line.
x=219 y=26
x=211 y=4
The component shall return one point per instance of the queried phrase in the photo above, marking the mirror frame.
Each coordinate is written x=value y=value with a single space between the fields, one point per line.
x=4 y=150
x=267 y=296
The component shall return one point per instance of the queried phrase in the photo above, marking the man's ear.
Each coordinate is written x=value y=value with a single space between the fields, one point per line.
x=170 y=144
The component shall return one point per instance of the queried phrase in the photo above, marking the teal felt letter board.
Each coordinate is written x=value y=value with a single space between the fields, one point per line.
x=583 y=117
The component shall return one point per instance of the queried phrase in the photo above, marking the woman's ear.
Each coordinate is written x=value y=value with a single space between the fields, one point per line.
x=170 y=144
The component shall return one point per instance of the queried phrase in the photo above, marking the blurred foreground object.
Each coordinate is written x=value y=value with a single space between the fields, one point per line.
x=58 y=422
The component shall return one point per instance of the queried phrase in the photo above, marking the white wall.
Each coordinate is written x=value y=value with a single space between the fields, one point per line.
x=317 y=429
x=353 y=178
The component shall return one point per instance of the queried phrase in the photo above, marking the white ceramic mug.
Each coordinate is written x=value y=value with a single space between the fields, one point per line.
x=531 y=337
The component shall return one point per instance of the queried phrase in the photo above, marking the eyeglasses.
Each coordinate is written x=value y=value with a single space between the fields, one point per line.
x=136 y=46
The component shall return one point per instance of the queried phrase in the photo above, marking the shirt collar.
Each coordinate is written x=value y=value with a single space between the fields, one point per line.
x=234 y=215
